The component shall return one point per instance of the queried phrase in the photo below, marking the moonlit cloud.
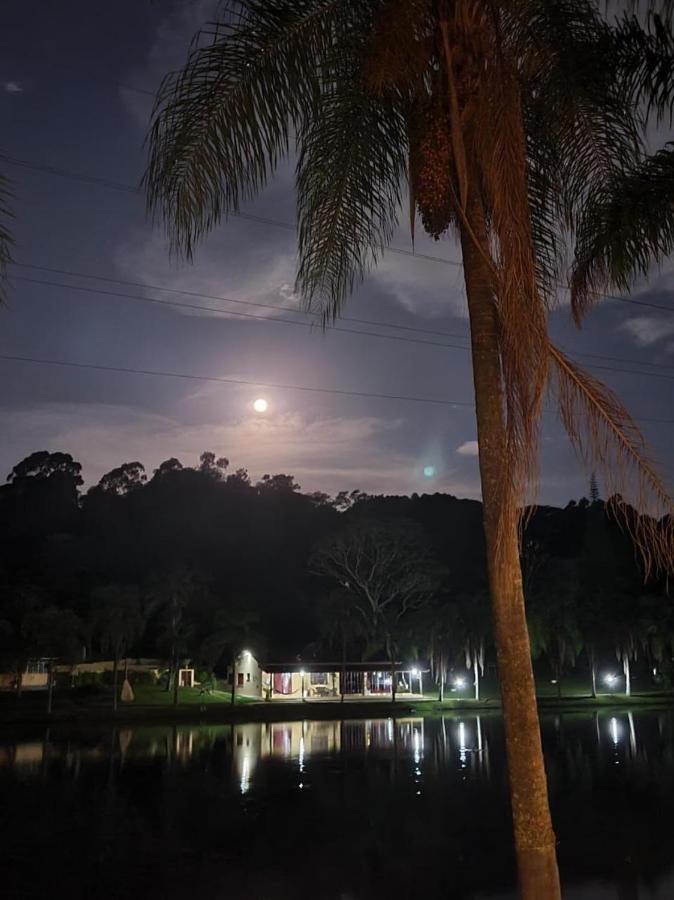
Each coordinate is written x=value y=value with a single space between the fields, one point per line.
x=647 y=330
x=468 y=448
x=232 y=263
x=13 y=87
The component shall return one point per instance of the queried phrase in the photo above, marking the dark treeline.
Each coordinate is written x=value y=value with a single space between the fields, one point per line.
x=195 y=563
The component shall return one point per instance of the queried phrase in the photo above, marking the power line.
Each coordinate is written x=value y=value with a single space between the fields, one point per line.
x=226 y=312
x=155 y=287
x=130 y=189
x=127 y=370
x=281 y=321
x=374 y=323
x=127 y=188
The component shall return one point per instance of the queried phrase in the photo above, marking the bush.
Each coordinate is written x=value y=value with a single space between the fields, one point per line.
x=92 y=689
x=86 y=679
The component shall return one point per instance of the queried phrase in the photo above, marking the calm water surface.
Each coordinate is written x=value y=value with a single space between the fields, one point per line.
x=322 y=810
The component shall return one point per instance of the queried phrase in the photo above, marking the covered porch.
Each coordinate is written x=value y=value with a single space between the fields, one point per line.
x=330 y=681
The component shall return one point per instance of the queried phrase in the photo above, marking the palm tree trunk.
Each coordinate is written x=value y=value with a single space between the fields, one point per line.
x=342 y=674
x=176 y=681
x=390 y=654
x=628 y=679
x=18 y=688
x=441 y=692
x=50 y=687
x=233 y=679
x=593 y=673
x=477 y=677
x=115 y=668
x=534 y=835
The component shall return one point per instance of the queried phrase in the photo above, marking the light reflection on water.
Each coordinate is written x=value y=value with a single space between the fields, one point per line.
x=420 y=804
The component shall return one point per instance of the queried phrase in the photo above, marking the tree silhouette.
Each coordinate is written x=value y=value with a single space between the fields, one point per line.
x=387 y=572
x=233 y=631
x=118 y=622
x=55 y=634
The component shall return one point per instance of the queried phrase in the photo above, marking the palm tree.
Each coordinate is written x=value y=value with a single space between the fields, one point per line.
x=505 y=119
x=340 y=624
x=17 y=609
x=232 y=631
x=171 y=594
x=56 y=634
x=438 y=623
x=631 y=225
x=552 y=615
x=470 y=619
x=117 y=622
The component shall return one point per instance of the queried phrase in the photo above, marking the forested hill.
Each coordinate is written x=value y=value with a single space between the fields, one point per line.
x=248 y=545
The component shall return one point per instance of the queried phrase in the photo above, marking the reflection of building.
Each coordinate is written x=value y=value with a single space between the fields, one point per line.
x=324 y=680
x=299 y=739
x=246 y=752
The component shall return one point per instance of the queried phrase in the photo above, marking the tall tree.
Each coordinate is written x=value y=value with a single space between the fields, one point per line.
x=340 y=626
x=18 y=605
x=470 y=629
x=598 y=583
x=232 y=632
x=117 y=622
x=171 y=594
x=387 y=571
x=552 y=614
x=505 y=118
x=55 y=634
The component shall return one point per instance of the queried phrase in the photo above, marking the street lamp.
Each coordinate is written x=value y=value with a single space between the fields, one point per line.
x=610 y=679
x=459 y=682
x=416 y=673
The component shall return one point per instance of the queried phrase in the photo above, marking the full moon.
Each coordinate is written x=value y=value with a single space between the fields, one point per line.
x=260 y=405
x=429 y=471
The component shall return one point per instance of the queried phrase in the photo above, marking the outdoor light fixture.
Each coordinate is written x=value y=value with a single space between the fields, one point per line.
x=414 y=672
x=459 y=682
x=610 y=679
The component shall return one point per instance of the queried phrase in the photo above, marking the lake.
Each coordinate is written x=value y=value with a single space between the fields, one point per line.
x=329 y=810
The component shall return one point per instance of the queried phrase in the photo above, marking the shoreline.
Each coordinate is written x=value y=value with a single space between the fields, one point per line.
x=252 y=711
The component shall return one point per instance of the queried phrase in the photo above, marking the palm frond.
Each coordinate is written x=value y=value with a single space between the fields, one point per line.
x=351 y=171
x=6 y=238
x=581 y=125
x=500 y=148
x=646 y=62
x=222 y=123
x=623 y=233
x=609 y=440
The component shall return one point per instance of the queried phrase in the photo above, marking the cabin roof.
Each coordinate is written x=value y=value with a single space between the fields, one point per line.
x=335 y=666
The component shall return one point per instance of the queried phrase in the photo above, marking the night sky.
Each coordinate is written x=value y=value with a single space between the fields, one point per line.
x=76 y=80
